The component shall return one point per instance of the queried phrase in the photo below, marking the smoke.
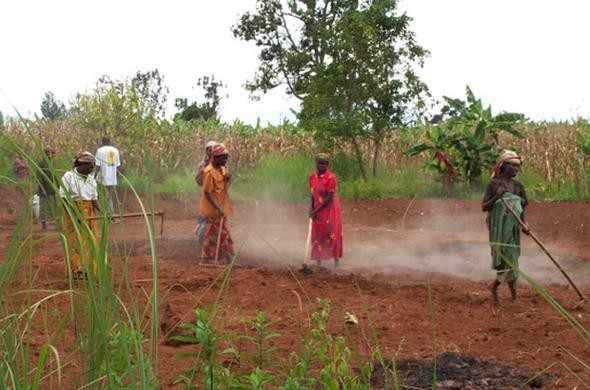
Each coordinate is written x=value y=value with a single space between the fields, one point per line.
x=439 y=237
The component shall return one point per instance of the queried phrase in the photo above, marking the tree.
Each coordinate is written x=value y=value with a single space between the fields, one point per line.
x=350 y=62
x=1 y=120
x=112 y=108
x=151 y=90
x=204 y=111
x=51 y=108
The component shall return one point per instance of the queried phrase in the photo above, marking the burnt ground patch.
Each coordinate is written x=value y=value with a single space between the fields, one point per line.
x=455 y=371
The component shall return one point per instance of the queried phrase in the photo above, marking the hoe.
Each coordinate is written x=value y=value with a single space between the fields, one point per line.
x=534 y=237
x=131 y=215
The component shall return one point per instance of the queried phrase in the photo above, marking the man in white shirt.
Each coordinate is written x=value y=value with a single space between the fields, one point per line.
x=108 y=160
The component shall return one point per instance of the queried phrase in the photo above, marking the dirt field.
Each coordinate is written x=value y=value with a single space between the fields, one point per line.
x=393 y=250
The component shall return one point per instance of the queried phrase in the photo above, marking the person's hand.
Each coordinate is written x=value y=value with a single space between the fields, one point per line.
x=227 y=176
x=221 y=213
x=312 y=213
x=526 y=230
x=500 y=192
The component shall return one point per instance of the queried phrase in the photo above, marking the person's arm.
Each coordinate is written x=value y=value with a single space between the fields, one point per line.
x=331 y=189
x=492 y=194
x=199 y=176
x=208 y=187
x=324 y=204
x=209 y=196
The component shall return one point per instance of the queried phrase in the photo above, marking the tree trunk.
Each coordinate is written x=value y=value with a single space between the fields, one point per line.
x=376 y=155
x=359 y=158
x=448 y=184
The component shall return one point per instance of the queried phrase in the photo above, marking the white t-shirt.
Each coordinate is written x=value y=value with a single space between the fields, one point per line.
x=107 y=158
x=78 y=186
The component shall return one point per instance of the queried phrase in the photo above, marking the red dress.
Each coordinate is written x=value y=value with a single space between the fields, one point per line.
x=326 y=228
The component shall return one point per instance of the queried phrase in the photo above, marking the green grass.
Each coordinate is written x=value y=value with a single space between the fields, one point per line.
x=110 y=349
x=177 y=184
x=540 y=189
x=275 y=178
x=284 y=179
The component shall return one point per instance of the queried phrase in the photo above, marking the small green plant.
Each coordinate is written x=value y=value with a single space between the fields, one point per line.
x=123 y=346
x=206 y=369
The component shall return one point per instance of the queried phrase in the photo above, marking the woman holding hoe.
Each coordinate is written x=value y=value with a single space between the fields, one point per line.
x=504 y=229
x=215 y=206
x=325 y=213
x=200 y=228
x=80 y=195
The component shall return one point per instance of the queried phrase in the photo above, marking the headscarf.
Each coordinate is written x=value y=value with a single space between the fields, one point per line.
x=507 y=156
x=218 y=150
x=322 y=157
x=207 y=156
x=84 y=157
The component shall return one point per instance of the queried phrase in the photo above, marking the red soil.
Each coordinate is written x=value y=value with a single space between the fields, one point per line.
x=388 y=294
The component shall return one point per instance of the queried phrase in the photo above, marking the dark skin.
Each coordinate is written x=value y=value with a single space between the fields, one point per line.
x=507 y=173
x=84 y=169
x=321 y=167
x=218 y=162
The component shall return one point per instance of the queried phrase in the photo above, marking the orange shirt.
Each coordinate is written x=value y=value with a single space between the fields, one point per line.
x=214 y=182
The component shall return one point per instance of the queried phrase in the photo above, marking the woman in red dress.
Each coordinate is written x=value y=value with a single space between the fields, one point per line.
x=325 y=213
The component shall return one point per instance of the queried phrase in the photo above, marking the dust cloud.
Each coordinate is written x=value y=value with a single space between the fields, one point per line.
x=431 y=240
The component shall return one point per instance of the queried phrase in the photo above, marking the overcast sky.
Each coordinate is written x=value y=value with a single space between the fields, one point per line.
x=529 y=56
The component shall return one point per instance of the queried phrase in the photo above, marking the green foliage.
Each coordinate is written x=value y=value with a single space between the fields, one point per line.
x=345 y=167
x=209 y=372
x=123 y=347
x=51 y=108
x=1 y=120
x=209 y=110
x=152 y=92
x=469 y=140
x=558 y=190
x=351 y=64
x=109 y=348
x=263 y=357
x=583 y=136
x=111 y=108
x=279 y=179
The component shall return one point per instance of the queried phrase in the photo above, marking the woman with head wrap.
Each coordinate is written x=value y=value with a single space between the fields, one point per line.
x=215 y=206
x=200 y=228
x=325 y=213
x=80 y=195
x=504 y=230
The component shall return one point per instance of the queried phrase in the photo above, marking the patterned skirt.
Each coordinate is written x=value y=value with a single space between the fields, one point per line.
x=213 y=238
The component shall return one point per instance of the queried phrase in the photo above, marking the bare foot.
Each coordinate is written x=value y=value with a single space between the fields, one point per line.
x=513 y=292
x=494 y=291
x=305 y=270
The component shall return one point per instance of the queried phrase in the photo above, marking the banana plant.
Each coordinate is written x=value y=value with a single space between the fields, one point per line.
x=480 y=121
x=469 y=141
x=440 y=143
x=479 y=131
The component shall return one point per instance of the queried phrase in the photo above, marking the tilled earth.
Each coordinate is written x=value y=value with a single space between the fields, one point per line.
x=396 y=251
